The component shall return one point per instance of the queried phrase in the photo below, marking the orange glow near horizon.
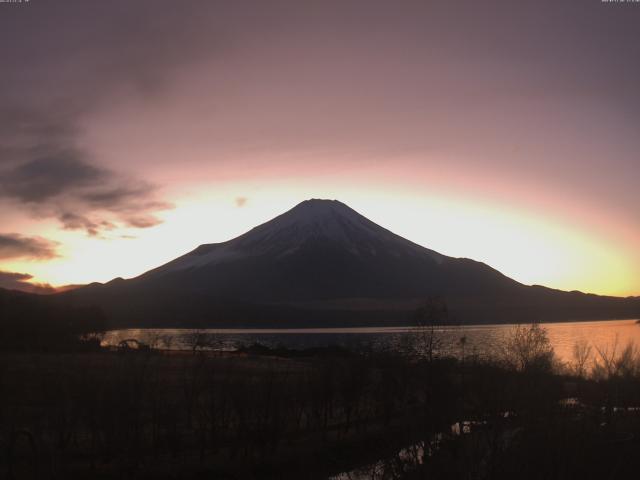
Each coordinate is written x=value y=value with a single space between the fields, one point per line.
x=485 y=132
x=525 y=245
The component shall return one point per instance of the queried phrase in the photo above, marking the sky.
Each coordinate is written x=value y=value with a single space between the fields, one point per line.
x=506 y=132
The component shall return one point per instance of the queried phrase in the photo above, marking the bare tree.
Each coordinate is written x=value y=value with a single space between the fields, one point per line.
x=198 y=340
x=194 y=339
x=528 y=348
x=581 y=353
x=462 y=343
x=612 y=362
x=432 y=313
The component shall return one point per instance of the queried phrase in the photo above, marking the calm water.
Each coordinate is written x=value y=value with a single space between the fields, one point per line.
x=479 y=338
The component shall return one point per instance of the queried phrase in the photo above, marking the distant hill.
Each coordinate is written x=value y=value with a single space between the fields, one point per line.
x=29 y=321
x=322 y=263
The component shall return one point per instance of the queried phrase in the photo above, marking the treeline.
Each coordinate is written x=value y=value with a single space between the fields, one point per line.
x=150 y=415
x=267 y=413
x=528 y=415
x=41 y=323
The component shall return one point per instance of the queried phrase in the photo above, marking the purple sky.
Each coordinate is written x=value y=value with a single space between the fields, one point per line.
x=119 y=119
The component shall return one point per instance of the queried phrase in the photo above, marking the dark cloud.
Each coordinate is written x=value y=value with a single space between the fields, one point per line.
x=20 y=281
x=73 y=221
x=67 y=61
x=80 y=195
x=42 y=179
x=42 y=169
x=28 y=133
x=13 y=245
x=429 y=80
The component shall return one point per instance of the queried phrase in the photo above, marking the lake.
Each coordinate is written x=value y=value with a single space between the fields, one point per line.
x=480 y=339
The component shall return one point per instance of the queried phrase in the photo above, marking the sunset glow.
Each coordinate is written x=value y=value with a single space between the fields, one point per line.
x=484 y=140
x=549 y=251
x=320 y=239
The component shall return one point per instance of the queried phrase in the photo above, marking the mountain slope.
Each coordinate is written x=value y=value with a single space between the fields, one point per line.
x=29 y=320
x=323 y=263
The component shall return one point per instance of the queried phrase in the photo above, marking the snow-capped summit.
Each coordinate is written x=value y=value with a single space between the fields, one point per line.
x=333 y=221
x=320 y=249
x=322 y=263
x=311 y=221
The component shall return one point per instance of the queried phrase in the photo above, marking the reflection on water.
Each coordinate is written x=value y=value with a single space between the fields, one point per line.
x=405 y=460
x=479 y=339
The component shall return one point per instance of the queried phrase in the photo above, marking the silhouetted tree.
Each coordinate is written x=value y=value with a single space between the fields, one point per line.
x=527 y=348
x=431 y=314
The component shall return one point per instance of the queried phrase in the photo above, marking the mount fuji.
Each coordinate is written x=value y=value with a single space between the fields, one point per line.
x=323 y=264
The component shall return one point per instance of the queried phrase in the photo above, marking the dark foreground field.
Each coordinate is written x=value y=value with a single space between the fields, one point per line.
x=299 y=415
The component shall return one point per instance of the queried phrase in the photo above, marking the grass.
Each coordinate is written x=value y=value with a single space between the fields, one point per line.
x=279 y=413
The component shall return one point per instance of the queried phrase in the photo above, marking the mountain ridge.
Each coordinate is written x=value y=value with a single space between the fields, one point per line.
x=321 y=262
x=312 y=217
